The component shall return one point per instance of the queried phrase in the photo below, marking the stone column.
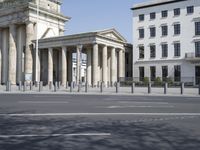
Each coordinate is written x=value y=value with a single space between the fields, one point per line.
x=19 y=53
x=104 y=65
x=77 y=64
x=89 y=67
x=12 y=54
x=5 y=40
x=0 y=53
x=113 y=65
x=28 y=51
x=95 y=64
x=121 y=67
x=50 y=65
x=64 y=65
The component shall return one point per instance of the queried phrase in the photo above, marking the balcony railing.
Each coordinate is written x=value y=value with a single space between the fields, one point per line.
x=192 y=57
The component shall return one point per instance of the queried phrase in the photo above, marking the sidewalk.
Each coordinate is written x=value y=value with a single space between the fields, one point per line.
x=142 y=91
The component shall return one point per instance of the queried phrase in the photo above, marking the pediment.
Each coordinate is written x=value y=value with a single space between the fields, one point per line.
x=113 y=34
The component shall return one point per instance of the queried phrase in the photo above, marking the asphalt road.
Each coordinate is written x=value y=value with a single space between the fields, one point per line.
x=92 y=122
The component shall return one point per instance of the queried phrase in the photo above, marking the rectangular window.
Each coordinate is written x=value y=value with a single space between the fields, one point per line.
x=177 y=12
x=197 y=28
x=177 y=49
x=164 y=73
x=141 y=52
x=152 y=15
x=153 y=73
x=197 y=49
x=141 y=17
x=141 y=33
x=190 y=9
x=164 y=30
x=177 y=73
x=152 y=31
x=164 y=50
x=141 y=73
x=164 y=13
x=152 y=51
x=177 y=29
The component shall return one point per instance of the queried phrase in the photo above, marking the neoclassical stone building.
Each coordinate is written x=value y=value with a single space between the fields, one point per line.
x=49 y=59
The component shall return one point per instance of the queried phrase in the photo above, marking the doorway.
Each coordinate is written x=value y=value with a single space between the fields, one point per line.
x=197 y=74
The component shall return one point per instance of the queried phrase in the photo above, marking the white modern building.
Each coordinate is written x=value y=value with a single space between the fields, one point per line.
x=166 y=40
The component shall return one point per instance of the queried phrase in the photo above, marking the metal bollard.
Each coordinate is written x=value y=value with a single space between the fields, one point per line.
x=31 y=86
x=74 y=84
x=199 y=89
x=25 y=86
x=79 y=87
x=59 y=84
x=40 y=86
x=67 y=85
x=117 y=87
x=165 y=88
x=108 y=84
x=133 y=88
x=86 y=87
x=149 y=88
x=8 y=86
x=71 y=86
x=20 y=85
x=182 y=88
x=101 y=87
x=55 y=86
x=50 y=85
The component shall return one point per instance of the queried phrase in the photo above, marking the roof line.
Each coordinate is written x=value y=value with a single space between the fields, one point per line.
x=155 y=4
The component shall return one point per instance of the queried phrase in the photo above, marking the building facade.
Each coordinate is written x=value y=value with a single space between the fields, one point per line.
x=50 y=59
x=166 y=42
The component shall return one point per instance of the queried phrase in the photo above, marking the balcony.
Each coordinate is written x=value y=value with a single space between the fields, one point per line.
x=192 y=57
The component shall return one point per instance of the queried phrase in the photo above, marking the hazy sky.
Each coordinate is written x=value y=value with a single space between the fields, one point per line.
x=92 y=15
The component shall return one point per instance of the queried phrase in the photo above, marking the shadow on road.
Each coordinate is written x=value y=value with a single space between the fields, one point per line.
x=124 y=136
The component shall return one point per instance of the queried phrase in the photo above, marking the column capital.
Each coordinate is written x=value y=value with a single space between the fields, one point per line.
x=79 y=46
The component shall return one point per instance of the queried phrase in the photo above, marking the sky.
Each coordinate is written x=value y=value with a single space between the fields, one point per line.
x=92 y=15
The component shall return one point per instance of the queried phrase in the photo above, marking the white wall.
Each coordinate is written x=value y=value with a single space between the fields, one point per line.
x=186 y=38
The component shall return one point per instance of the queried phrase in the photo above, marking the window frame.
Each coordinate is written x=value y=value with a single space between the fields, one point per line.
x=177 y=49
x=164 y=50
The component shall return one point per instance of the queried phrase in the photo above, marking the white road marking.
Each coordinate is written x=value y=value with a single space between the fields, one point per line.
x=54 y=135
x=43 y=102
x=157 y=103
x=99 y=114
x=114 y=107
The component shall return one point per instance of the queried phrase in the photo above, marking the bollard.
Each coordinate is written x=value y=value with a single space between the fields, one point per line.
x=182 y=88
x=59 y=84
x=133 y=88
x=79 y=87
x=117 y=87
x=86 y=87
x=36 y=84
x=50 y=85
x=31 y=86
x=111 y=84
x=71 y=86
x=101 y=87
x=149 y=88
x=108 y=84
x=199 y=89
x=25 y=86
x=74 y=84
x=8 y=86
x=67 y=84
x=20 y=85
x=55 y=86
x=40 y=86
x=165 y=88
